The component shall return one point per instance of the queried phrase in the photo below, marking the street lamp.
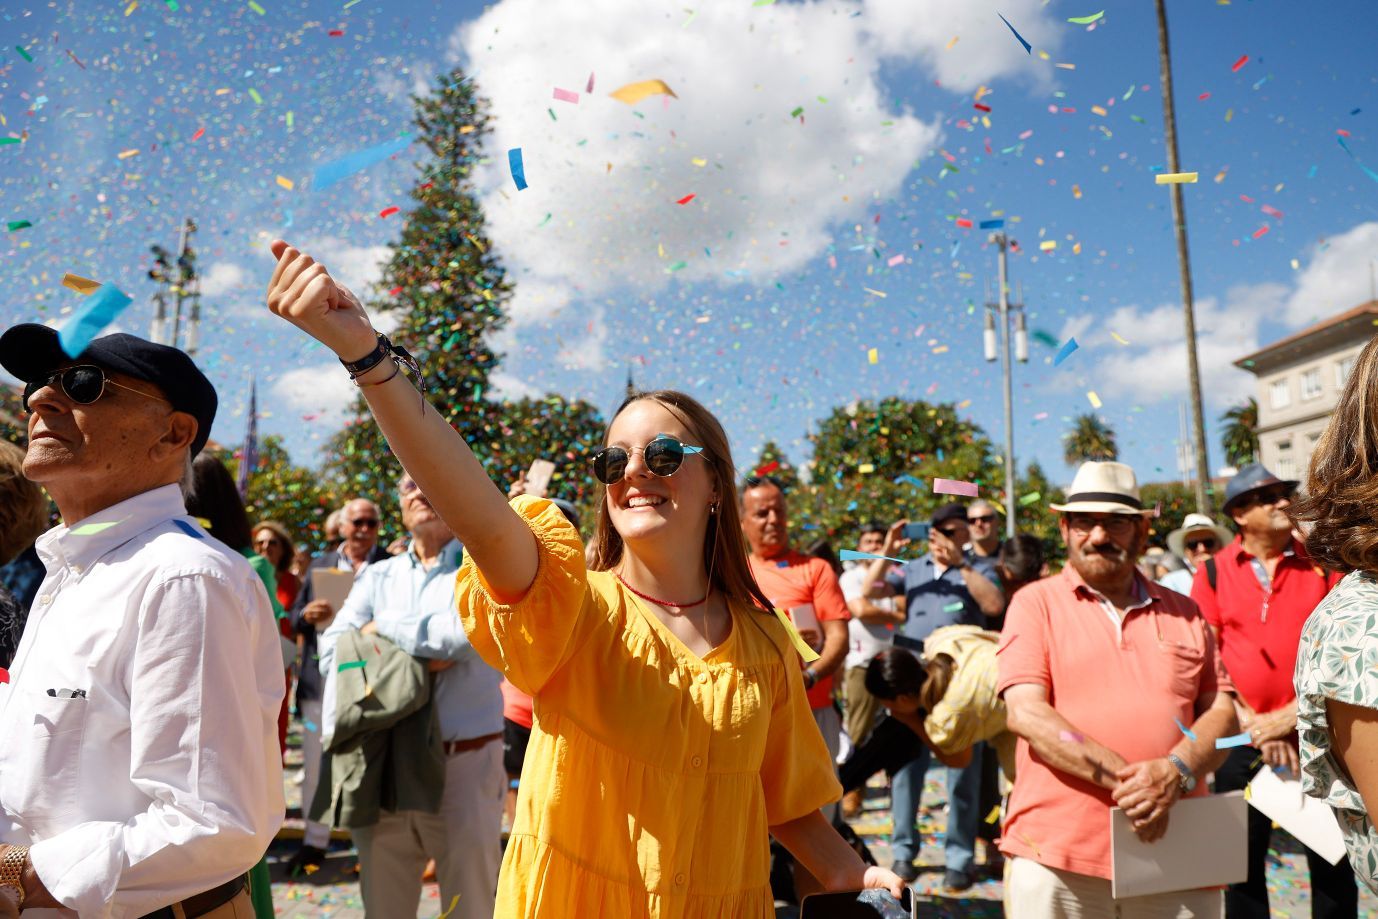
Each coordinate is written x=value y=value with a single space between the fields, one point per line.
x=998 y=315
x=184 y=285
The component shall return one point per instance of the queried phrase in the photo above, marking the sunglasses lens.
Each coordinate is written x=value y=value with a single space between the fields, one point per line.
x=664 y=455
x=609 y=465
x=83 y=385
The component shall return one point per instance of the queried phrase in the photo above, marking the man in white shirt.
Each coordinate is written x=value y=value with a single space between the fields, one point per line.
x=140 y=773
x=410 y=600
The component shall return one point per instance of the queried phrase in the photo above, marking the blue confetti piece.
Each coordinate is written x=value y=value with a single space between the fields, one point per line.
x=98 y=311
x=327 y=174
x=1065 y=351
x=1028 y=48
x=991 y=224
x=514 y=162
x=311 y=726
x=1184 y=729
x=910 y=480
x=848 y=555
x=1238 y=740
x=187 y=528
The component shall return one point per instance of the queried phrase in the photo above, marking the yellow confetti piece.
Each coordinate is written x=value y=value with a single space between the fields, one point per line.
x=808 y=654
x=286 y=183
x=951 y=43
x=454 y=901
x=941 y=349
x=878 y=293
x=78 y=283
x=253 y=94
x=1295 y=264
x=466 y=129
x=256 y=8
x=873 y=355
x=1097 y=110
x=1048 y=245
x=131 y=8
x=1229 y=115
x=866 y=468
x=699 y=161
x=126 y=154
x=1093 y=399
x=1220 y=176
x=1175 y=178
x=1076 y=248
x=1076 y=192
x=1116 y=336
x=994 y=814
x=1066 y=66
x=1043 y=55
x=222 y=90
x=633 y=93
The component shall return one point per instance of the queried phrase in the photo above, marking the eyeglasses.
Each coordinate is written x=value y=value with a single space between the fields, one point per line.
x=663 y=455
x=950 y=532
x=1114 y=524
x=364 y=522
x=1202 y=544
x=407 y=487
x=985 y=518
x=267 y=541
x=1272 y=495
x=83 y=384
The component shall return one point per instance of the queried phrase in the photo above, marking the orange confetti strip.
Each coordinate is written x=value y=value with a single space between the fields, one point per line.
x=1244 y=59
x=389 y=211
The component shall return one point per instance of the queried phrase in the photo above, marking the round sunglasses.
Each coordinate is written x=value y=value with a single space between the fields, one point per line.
x=663 y=456
x=83 y=384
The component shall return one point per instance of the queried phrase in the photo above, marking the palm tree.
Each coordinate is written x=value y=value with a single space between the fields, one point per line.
x=1089 y=439
x=1239 y=438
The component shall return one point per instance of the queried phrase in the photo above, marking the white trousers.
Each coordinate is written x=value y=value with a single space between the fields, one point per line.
x=317 y=834
x=464 y=839
x=1034 y=891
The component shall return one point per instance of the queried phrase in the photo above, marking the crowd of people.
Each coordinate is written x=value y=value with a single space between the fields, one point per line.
x=673 y=717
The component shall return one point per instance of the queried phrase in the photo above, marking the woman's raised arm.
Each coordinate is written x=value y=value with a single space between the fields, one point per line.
x=432 y=452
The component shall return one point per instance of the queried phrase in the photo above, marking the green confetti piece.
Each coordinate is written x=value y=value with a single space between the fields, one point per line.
x=4 y=141
x=351 y=665
x=18 y=225
x=253 y=94
x=551 y=113
x=1032 y=497
x=953 y=607
x=91 y=529
x=797 y=112
x=289 y=119
x=24 y=54
x=256 y=8
x=1086 y=20
x=350 y=3
x=676 y=267
x=171 y=4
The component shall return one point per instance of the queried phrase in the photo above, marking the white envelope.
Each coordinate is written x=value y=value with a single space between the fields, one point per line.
x=1206 y=845
x=1309 y=819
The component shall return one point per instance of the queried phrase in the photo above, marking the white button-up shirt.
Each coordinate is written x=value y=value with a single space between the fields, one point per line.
x=138 y=732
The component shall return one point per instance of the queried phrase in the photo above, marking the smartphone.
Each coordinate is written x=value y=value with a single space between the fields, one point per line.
x=916 y=530
x=863 y=904
x=538 y=477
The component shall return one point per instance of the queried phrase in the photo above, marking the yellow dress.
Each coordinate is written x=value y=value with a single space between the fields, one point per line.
x=652 y=775
x=971 y=710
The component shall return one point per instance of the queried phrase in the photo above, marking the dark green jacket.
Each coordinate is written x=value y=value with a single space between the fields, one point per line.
x=385 y=754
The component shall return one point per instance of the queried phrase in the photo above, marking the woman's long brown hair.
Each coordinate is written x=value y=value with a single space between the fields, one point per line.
x=1342 y=483
x=724 y=552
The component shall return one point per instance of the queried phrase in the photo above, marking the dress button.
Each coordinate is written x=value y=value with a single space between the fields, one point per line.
x=46 y=599
x=680 y=879
x=697 y=761
x=703 y=678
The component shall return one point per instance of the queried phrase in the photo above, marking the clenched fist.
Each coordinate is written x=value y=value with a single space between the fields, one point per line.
x=303 y=292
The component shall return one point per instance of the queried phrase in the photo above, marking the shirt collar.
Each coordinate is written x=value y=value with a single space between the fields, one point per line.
x=83 y=543
x=1143 y=593
x=1294 y=549
x=450 y=556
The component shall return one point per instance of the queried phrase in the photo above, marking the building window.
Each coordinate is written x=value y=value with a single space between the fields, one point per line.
x=1287 y=467
x=1343 y=369
x=1280 y=394
x=1311 y=384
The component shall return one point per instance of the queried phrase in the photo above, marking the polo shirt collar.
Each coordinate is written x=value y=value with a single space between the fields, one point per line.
x=82 y=544
x=1143 y=591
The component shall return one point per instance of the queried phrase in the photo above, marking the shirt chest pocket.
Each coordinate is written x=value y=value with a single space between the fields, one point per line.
x=1181 y=667
x=41 y=784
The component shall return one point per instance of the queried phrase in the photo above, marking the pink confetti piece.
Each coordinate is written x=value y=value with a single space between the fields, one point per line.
x=589 y=88
x=566 y=95
x=953 y=487
x=1260 y=231
x=1070 y=736
x=895 y=260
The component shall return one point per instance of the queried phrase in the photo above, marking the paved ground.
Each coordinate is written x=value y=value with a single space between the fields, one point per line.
x=334 y=890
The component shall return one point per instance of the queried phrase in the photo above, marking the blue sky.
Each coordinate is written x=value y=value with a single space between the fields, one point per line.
x=786 y=279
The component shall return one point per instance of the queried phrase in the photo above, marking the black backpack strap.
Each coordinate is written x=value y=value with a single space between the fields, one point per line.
x=1210 y=572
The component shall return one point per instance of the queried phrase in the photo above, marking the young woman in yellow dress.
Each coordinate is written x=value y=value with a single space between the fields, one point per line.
x=672 y=736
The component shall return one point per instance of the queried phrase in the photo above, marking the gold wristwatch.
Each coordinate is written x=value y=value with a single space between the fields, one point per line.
x=12 y=870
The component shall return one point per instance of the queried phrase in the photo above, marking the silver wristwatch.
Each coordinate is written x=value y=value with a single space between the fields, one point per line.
x=1188 y=781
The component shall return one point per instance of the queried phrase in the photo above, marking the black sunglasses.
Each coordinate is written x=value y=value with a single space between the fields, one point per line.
x=985 y=518
x=950 y=532
x=364 y=522
x=663 y=455
x=1272 y=495
x=83 y=384
x=1197 y=543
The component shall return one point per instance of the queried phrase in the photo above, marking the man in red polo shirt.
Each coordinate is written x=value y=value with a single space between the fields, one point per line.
x=1257 y=593
x=1098 y=667
x=807 y=589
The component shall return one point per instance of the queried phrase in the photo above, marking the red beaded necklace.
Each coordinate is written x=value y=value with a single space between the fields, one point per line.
x=650 y=599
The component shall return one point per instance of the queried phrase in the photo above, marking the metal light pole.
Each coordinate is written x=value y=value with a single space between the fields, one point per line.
x=1002 y=309
x=187 y=286
x=1179 y=220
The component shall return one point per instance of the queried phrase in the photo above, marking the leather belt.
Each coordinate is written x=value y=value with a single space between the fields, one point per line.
x=204 y=903
x=452 y=747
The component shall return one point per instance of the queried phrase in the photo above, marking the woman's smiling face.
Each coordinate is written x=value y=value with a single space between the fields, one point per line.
x=644 y=505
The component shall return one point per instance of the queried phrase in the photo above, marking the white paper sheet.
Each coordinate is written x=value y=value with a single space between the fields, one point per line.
x=1310 y=820
x=1206 y=845
x=331 y=585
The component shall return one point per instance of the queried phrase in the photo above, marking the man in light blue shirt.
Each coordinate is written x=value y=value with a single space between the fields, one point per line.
x=409 y=600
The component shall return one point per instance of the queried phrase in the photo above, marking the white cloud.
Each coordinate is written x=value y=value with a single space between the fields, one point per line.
x=321 y=393
x=600 y=211
x=1336 y=278
x=223 y=278
x=503 y=385
x=1153 y=365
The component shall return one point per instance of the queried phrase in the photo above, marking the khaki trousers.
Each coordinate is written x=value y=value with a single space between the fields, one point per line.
x=861 y=705
x=1034 y=891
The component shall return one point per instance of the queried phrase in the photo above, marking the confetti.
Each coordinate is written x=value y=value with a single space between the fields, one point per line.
x=24 y=54
x=18 y=225
x=686 y=199
x=389 y=211
x=848 y=555
x=454 y=901
x=91 y=529
x=895 y=260
x=79 y=284
x=351 y=665
x=994 y=815
x=873 y=356
x=1048 y=245
x=87 y=321
x=1070 y=736
x=256 y=8
x=954 y=487
x=1032 y=497
x=126 y=154
x=633 y=93
x=1191 y=735
x=514 y=163
x=1093 y=398
x=991 y=224
x=866 y=468
x=566 y=95
x=1086 y=20
x=327 y=174
x=1239 y=63
x=1238 y=740
x=1028 y=48
x=286 y=183
x=200 y=132
x=253 y=94
x=954 y=607
x=1116 y=336
x=1175 y=178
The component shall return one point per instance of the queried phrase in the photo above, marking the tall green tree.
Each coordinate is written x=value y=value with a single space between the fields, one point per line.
x=1089 y=439
x=297 y=497
x=443 y=284
x=1034 y=516
x=1239 y=436
x=774 y=463
x=563 y=432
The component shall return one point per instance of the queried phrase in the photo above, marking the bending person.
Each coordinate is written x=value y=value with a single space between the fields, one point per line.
x=672 y=736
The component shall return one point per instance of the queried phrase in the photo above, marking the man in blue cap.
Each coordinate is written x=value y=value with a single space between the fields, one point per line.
x=140 y=774
x=1257 y=593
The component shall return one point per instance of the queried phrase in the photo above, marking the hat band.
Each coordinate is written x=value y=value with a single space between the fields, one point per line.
x=1110 y=496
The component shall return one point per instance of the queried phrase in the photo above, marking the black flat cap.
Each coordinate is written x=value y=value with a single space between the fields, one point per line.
x=948 y=512
x=31 y=352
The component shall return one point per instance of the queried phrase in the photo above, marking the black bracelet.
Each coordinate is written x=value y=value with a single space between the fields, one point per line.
x=370 y=360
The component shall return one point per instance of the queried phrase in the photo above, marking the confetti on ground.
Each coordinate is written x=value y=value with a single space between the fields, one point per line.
x=1086 y=20
x=87 y=321
x=954 y=487
x=1238 y=740
x=566 y=95
x=1175 y=178
x=514 y=163
x=1191 y=735
x=1093 y=399
x=79 y=284
x=327 y=174
x=1028 y=48
x=633 y=93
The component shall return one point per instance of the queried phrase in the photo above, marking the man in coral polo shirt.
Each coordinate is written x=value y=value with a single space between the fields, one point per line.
x=1257 y=593
x=1097 y=668
x=807 y=589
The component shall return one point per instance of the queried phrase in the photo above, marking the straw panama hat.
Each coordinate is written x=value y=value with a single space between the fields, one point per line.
x=1196 y=523
x=1103 y=488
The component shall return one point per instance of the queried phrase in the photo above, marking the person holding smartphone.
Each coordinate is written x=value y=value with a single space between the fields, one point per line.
x=672 y=736
x=946 y=586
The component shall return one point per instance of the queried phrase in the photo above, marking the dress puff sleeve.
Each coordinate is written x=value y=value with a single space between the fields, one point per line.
x=530 y=640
